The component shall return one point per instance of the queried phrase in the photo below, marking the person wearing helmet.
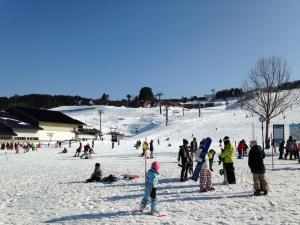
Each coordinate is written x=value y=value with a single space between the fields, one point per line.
x=227 y=158
x=184 y=157
x=152 y=178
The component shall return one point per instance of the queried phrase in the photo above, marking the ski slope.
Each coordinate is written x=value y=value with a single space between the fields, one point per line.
x=46 y=187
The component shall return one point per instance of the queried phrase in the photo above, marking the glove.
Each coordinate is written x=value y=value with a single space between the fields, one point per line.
x=153 y=193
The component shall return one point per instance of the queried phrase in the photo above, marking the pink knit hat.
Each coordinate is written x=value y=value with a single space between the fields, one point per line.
x=155 y=165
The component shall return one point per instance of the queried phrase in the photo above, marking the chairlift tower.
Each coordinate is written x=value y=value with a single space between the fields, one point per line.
x=159 y=94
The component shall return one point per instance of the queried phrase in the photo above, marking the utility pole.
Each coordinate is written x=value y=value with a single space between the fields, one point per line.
x=167 y=115
x=199 y=107
x=100 y=114
x=213 y=95
x=159 y=94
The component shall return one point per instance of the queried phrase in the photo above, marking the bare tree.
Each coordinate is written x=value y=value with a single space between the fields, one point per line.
x=266 y=81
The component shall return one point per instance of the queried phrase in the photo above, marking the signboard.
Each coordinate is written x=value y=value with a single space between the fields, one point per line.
x=278 y=134
x=295 y=131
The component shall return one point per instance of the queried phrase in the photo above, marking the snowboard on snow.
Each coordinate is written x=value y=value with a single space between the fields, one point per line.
x=149 y=213
x=203 y=153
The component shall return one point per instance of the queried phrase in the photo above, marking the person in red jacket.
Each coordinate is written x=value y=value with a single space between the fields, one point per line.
x=240 y=149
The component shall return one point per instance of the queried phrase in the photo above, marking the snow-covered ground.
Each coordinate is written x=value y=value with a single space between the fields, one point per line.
x=46 y=187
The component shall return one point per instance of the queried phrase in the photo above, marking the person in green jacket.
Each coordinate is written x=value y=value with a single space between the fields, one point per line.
x=227 y=158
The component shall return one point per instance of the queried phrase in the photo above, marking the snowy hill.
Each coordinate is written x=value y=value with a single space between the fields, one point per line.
x=46 y=187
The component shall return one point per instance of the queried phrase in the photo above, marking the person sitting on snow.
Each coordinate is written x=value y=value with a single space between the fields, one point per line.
x=96 y=175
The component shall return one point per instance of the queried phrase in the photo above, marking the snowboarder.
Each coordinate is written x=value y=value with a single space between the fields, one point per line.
x=205 y=177
x=184 y=156
x=150 y=189
x=64 y=150
x=151 y=149
x=256 y=164
x=78 y=150
x=96 y=175
x=227 y=158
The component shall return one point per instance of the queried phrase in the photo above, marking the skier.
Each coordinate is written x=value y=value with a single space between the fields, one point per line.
x=227 y=157
x=184 y=156
x=256 y=164
x=151 y=149
x=281 y=149
x=96 y=175
x=205 y=177
x=78 y=150
x=150 y=189
x=211 y=155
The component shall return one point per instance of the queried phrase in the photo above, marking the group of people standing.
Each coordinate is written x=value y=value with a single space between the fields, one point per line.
x=291 y=149
x=191 y=152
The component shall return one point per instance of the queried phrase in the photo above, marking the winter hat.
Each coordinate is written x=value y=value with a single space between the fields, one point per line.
x=226 y=138
x=97 y=165
x=155 y=165
x=185 y=141
x=252 y=143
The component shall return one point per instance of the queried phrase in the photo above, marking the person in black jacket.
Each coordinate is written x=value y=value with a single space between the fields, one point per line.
x=184 y=156
x=281 y=149
x=256 y=164
x=96 y=175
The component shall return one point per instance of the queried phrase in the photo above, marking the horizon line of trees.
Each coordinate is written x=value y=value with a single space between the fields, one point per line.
x=145 y=96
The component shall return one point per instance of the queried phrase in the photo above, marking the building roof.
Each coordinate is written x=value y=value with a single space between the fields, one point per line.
x=9 y=121
x=6 y=132
x=34 y=115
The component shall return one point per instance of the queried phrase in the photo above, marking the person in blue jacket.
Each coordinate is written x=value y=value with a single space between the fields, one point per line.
x=150 y=188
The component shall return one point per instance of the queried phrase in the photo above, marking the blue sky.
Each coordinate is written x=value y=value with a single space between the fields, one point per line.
x=182 y=48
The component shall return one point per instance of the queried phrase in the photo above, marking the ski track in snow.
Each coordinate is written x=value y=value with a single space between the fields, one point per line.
x=46 y=187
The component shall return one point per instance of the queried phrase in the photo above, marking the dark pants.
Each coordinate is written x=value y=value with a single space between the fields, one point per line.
x=296 y=154
x=184 y=171
x=288 y=153
x=230 y=173
x=281 y=151
x=77 y=153
x=211 y=161
x=92 y=179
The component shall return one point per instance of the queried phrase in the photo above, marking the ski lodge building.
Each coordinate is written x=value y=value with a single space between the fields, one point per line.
x=24 y=124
